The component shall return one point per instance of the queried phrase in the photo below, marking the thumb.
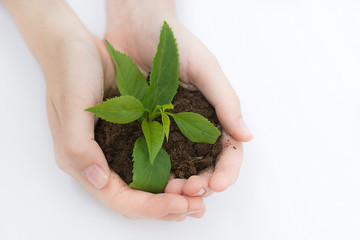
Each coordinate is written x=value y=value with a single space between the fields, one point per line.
x=206 y=74
x=79 y=146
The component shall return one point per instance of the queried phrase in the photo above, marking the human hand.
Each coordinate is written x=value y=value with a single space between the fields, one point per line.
x=75 y=82
x=78 y=70
x=133 y=28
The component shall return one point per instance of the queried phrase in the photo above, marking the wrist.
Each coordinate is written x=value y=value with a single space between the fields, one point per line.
x=45 y=25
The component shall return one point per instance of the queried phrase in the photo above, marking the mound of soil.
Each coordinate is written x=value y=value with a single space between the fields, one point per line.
x=187 y=158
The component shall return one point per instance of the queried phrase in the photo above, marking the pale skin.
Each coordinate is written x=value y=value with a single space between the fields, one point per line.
x=79 y=72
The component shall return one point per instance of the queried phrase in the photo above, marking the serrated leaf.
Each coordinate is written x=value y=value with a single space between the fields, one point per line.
x=129 y=79
x=154 y=135
x=123 y=109
x=196 y=128
x=146 y=176
x=166 y=124
x=164 y=72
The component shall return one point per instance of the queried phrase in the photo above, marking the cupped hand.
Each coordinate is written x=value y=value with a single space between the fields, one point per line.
x=133 y=28
x=77 y=75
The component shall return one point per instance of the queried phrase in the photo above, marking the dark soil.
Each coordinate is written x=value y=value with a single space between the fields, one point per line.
x=187 y=158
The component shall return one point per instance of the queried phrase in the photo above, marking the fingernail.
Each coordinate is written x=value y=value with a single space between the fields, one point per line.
x=200 y=193
x=96 y=176
x=244 y=128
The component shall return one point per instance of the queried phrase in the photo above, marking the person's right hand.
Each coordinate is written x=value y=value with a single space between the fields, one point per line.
x=133 y=28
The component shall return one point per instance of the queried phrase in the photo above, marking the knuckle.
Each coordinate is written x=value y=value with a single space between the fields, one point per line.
x=60 y=163
x=196 y=204
x=199 y=214
x=194 y=178
x=72 y=149
x=180 y=207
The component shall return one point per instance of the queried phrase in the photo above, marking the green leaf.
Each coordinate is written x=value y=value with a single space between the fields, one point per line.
x=166 y=124
x=154 y=135
x=129 y=79
x=146 y=176
x=196 y=128
x=167 y=106
x=164 y=72
x=160 y=109
x=122 y=109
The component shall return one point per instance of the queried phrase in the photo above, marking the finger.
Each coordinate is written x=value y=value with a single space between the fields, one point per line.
x=228 y=164
x=199 y=185
x=175 y=186
x=196 y=208
x=195 y=204
x=181 y=217
x=149 y=206
x=206 y=74
x=132 y=203
x=54 y=124
x=174 y=217
x=77 y=139
x=62 y=160
x=198 y=214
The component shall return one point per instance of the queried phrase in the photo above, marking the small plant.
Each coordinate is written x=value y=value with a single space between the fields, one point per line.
x=146 y=103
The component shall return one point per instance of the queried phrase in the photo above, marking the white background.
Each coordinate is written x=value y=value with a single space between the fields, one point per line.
x=295 y=66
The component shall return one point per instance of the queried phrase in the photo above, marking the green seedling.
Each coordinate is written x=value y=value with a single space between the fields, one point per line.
x=147 y=103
